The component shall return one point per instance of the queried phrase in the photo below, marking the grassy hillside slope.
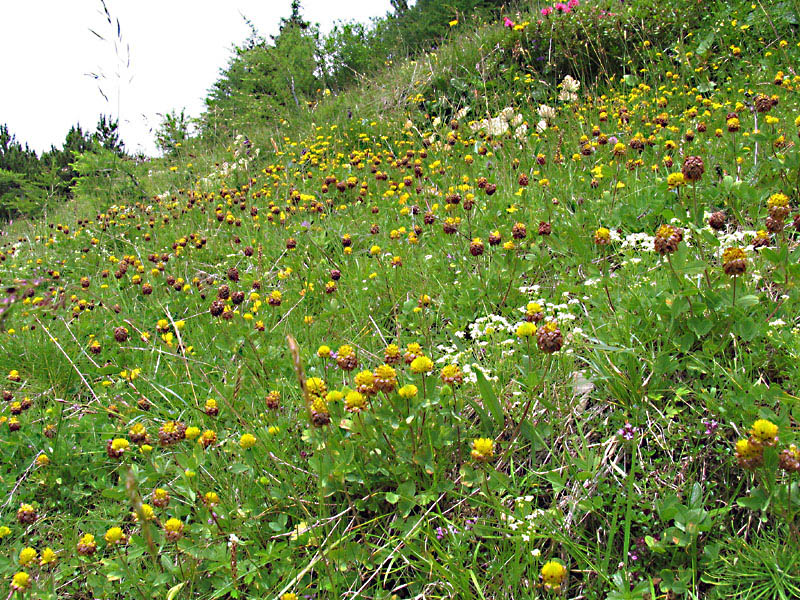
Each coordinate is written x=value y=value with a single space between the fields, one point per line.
x=487 y=326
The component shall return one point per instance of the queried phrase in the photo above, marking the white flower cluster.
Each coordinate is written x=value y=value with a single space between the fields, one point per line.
x=547 y=115
x=497 y=126
x=451 y=355
x=569 y=89
x=488 y=325
x=639 y=241
x=529 y=522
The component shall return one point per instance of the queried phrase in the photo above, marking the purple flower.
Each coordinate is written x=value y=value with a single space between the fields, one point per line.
x=441 y=532
x=627 y=431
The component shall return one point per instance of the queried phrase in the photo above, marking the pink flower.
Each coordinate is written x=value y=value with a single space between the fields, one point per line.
x=547 y=10
x=508 y=23
x=561 y=7
x=573 y=3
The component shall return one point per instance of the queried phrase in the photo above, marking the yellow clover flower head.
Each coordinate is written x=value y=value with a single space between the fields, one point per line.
x=27 y=556
x=247 y=441
x=482 y=449
x=408 y=391
x=526 y=330
x=48 y=557
x=764 y=432
x=114 y=535
x=421 y=365
x=21 y=581
x=553 y=575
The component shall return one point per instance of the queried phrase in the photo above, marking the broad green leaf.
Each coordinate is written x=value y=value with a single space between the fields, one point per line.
x=490 y=400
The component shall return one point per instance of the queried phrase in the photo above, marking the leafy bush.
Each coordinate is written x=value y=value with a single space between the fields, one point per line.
x=18 y=195
x=104 y=177
x=173 y=132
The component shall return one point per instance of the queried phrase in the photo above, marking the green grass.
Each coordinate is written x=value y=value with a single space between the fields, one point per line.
x=602 y=460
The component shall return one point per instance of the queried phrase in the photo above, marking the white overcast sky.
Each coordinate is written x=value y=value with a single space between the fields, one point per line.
x=176 y=49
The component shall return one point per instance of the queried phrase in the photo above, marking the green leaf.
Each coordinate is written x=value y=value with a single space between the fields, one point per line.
x=490 y=400
x=486 y=422
x=771 y=255
x=557 y=481
x=679 y=306
x=238 y=468
x=668 y=507
x=696 y=497
x=700 y=325
x=407 y=489
x=686 y=341
x=757 y=500
x=469 y=476
x=113 y=493
x=745 y=328
x=173 y=591
x=392 y=498
x=536 y=435
x=708 y=86
x=747 y=301
x=705 y=46
x=708 y=238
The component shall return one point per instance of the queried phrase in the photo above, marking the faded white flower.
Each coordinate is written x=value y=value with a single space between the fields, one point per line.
x=570 y=84
x=507 y=113
x=496 y=126
x=566 y=96
x=548 y=113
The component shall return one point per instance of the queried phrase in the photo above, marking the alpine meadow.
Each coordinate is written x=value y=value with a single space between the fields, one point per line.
x=478 y=300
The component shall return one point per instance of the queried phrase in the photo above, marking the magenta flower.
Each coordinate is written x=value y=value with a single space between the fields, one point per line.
x=547 y=10
x=508 y=23
x=573 y=3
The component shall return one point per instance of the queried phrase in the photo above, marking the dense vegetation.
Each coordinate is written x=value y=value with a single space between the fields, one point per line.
x=29 y=183
x=270 y=80
x=515 y=317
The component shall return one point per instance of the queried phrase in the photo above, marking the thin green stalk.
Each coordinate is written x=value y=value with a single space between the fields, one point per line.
x=629 y=507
